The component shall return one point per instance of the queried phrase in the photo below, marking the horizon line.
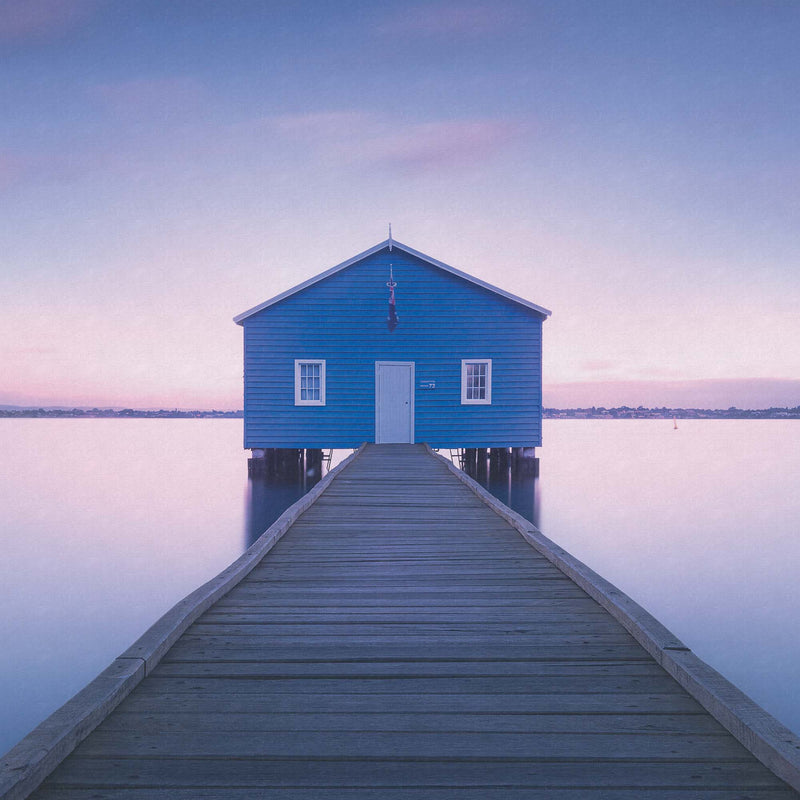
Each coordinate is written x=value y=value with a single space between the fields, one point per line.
x=548 y=408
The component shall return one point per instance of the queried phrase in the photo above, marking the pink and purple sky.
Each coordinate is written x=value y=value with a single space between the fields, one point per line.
x=633 y=166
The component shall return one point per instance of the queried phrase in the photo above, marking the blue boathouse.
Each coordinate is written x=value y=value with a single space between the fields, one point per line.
x=393 y=346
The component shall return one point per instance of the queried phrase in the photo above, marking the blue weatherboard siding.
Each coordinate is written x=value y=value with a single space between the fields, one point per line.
x=443 y=319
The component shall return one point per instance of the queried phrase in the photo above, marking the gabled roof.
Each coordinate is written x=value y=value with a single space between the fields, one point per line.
x=376 y=249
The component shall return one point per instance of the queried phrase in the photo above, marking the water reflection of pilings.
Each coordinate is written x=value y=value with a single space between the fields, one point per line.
x=286 y=462
x=277 y=478
x=511 y=474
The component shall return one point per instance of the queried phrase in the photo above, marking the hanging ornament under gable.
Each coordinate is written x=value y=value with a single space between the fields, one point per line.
x=392 y=320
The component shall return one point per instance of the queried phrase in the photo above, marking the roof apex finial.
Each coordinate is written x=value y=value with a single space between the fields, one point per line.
x=390 y=237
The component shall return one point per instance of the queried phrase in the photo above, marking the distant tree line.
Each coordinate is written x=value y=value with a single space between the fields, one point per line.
x=594 y=412
x=82 y=413
x=627 y=412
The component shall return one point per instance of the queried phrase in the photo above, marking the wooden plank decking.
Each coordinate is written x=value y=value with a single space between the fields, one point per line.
x=402 y=641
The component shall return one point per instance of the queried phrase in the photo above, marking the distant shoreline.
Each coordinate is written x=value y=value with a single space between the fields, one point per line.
x=595 y=412
x=116 y=413
x=625 y=412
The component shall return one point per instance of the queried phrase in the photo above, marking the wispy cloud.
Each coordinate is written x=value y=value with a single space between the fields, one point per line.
x=150 y=97
x=19 y=170
x=146 y=118
x=598 y=365
x=609 y=370
x=24 y=19
x=376 y=141
x=439 y=144
x=12 y=169
x=14 y=354
x=450 y=19
x=324 y=128
x=136 y=124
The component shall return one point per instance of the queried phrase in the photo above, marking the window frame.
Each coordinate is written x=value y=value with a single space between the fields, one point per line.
x=485 y=401
x=298 y=363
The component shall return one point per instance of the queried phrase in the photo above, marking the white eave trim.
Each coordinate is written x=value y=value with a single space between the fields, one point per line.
x=239 y=319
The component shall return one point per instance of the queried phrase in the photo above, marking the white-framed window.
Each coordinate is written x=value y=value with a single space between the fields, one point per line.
x=309 y=382
x=476 y=381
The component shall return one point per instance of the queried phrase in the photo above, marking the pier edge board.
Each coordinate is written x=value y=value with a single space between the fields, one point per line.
x=27 y=764
x=771 y=742
x=33 y=758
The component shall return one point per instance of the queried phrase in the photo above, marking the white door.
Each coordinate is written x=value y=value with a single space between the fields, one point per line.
x=394 y=402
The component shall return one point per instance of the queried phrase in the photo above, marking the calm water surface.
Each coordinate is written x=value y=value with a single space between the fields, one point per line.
x=700 y=525
x=105 y=524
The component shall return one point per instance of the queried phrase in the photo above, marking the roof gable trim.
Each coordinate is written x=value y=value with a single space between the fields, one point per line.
x=239 y=319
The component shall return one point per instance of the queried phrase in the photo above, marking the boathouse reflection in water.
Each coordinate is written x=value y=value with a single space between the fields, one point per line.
x=278 y=483
x=512 y=479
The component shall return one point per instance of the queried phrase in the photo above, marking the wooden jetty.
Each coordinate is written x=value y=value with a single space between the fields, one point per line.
x=402 y=641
